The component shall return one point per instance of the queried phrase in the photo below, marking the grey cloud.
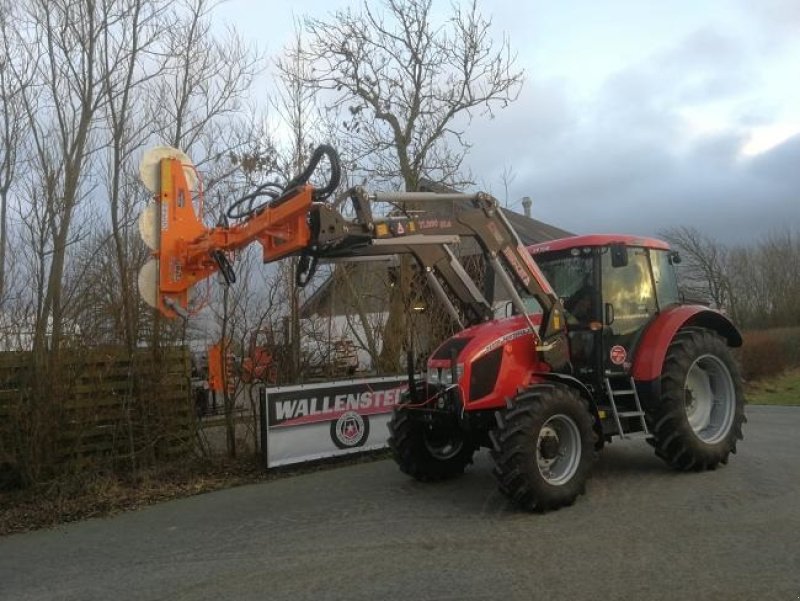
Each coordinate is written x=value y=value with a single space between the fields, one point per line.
x=538 y=119
x=780 y=162
x=623 y=162
x=757 y=112
x=704 y=67
x=730 y=199
x=779 y=19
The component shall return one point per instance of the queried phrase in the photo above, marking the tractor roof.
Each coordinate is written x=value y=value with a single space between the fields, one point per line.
x=596 y=240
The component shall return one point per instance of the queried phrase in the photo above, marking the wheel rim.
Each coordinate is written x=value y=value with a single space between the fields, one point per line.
x=710 y=398
x=442 y=446
x=558 y=449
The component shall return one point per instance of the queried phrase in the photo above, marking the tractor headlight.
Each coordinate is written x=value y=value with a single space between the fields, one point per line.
x=444 y=375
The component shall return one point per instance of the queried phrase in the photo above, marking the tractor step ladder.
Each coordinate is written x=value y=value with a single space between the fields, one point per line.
x=613 y=396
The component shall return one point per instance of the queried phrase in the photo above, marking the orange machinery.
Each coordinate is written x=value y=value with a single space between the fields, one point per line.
x=186 y=251
x=220 y=368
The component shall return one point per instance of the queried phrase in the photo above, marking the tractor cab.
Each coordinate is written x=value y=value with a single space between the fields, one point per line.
x=611 y=287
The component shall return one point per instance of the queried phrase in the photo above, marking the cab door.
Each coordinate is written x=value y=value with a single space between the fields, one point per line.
x=629 y=303
x=575 y=277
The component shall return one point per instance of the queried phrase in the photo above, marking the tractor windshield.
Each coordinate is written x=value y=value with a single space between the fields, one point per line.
x=571 y=275
x=567 y=273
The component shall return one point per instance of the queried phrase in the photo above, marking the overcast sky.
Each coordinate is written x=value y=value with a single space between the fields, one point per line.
x=635 y=116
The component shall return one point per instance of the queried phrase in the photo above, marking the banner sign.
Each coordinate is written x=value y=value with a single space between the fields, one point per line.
x=313 y=421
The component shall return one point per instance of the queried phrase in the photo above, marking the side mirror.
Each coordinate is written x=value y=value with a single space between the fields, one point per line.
x=509 y=309
x=619 y=255
x=674 y=257
x=609 y=310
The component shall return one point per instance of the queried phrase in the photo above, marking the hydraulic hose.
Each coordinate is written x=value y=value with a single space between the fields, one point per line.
x=276 y=194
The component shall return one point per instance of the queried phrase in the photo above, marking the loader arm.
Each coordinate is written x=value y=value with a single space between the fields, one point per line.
x=429 y=237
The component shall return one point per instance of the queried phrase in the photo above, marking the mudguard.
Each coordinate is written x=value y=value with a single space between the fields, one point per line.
x=653 y=345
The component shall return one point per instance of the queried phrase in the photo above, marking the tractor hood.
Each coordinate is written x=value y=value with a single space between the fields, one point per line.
x=481 y=354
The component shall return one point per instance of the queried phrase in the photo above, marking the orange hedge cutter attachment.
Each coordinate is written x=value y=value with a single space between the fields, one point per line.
x=186 y=252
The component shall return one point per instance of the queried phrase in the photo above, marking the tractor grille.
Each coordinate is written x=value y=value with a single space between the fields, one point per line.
x=451 y=348
x=484 y=374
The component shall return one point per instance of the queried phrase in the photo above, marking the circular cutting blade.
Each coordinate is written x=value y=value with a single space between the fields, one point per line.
x=150 y=165
x=148 y=282
x=149 y=225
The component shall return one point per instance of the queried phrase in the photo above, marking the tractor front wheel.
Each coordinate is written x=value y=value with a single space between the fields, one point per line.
x=428 y=452
x=544 y=447
x=698 y=420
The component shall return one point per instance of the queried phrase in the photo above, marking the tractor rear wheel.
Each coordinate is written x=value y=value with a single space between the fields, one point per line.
x=544 y=447
x=698 y=420
x=428 y=452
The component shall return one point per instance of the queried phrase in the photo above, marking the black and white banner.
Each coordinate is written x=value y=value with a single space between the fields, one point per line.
x=313 y=421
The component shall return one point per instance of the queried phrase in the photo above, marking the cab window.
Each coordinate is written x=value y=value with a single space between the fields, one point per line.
x=629 y=289
x=572 y=277
x=664 y=275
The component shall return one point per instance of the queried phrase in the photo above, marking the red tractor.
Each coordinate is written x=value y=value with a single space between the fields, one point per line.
x=643 y=364
x=598 y=343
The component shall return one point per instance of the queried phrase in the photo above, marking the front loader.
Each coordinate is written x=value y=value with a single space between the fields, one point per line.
x=596 y=343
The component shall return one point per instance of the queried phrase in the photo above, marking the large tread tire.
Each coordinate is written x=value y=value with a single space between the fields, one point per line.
x=516 y=447
x=674 y=438
x=410 y=444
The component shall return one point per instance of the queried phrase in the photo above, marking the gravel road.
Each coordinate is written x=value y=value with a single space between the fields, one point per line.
x=368 y=532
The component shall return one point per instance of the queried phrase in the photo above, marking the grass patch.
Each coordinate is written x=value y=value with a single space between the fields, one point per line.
x=778 y=390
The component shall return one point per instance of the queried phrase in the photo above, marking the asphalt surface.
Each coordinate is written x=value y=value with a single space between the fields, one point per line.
x=368 y=532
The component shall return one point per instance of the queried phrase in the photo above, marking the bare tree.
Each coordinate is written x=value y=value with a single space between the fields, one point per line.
x=201 y=94
x=207 y=81
x=757 y=284
x=251 y=306
x=295 y=103
x=408 y=85
x=506 y=179
x=407 y=88
x=778 y=261
x=703 y=272
x=12 y=86
x=62 y=94
x=134 y=41
x=62 y=39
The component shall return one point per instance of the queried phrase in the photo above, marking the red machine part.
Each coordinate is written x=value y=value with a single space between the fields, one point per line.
x=520 y=360
x=652 y=348
x=596 y=240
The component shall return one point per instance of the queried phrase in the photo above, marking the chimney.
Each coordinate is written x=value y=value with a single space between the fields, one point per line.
x=526 y=205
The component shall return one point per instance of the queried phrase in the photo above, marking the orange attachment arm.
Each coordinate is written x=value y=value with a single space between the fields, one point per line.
x=186 y=245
